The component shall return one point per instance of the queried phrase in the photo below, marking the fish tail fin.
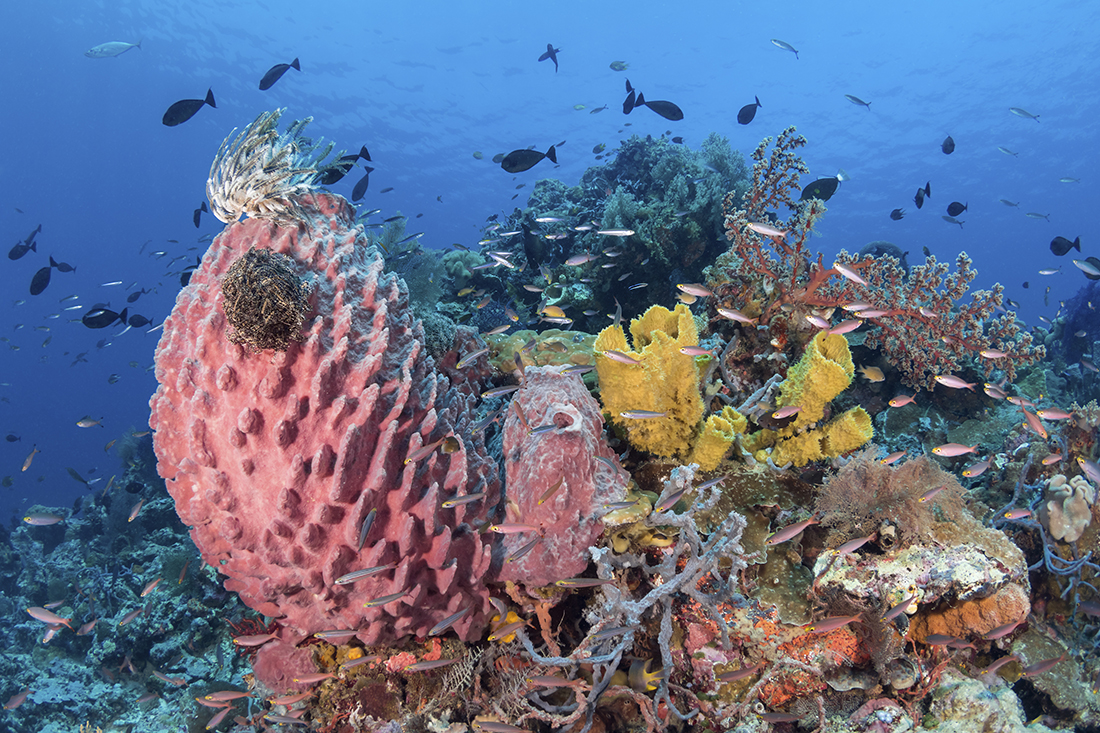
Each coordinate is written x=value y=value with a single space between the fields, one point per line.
x=53 y=263
x=552 y=154
x=122 y=315
x=364 y=153
x=295 y=64
x=34 y=246
x=202 y=207
x=1077 y=244
x=757 y=101
x=210 y=98
x=628 y=87
x=639 y=100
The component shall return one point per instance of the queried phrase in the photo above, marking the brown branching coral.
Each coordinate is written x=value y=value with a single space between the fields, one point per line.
x=265 y=300
x=867 y=496
x=916 y=317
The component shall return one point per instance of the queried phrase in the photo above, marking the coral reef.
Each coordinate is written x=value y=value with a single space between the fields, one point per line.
x=297 y=469
x=917 y=317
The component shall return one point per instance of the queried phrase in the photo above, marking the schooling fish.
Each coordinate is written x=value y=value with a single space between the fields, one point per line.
x=856 y=100
x=275 y=73
x=785 y=46
x=823 y=188
x=100 y=317
x=41 y=278
x=947 y=146
x=518 y=161
x=185 y=109
x=897 y=214
x=746 y=114
x=361 y=186
x=955 y=208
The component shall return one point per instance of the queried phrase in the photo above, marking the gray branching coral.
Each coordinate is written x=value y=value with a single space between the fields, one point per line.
x=259 y=172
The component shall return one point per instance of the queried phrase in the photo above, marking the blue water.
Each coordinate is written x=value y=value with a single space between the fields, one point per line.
x=425 y=85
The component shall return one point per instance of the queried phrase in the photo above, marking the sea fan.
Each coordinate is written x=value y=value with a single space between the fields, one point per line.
x=260 y=172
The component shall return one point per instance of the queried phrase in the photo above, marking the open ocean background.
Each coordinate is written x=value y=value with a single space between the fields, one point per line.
x=424 y=85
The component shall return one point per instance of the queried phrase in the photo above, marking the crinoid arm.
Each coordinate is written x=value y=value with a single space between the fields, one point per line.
x=259 y=172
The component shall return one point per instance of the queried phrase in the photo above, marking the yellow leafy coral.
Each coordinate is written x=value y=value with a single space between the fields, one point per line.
x=664 y=380
x=824 y=371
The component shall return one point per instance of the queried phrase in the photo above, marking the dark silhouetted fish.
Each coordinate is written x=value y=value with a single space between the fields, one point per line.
x=41 y=278
x=518 y=161
x=922 y=193
x=666 y=109
x=746 y=113
x=947 y=146
x=137 y=320
x=100 y=316
x=823 y=188
x=12 y=437
x=361 y=186
x=678 y=140
x=21 y=249
x=185 y=109
x=198 y=213
x=498 y=157
x=275 y=73
x=387 y=189
x=897 y=214
x=955 y=208
x=552 y=54
x=1061 y=245
x=628 y=103
x=62 y=266
x=132 y=297
x=1094 y=267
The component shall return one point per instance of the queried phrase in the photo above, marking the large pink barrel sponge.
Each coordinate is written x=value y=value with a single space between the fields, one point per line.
x=276 y=459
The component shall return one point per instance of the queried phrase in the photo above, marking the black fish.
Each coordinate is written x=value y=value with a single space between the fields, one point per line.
x=338 y=170
x=21 y=249
x=40 y=280
x=948 y=146
x=552 y=54
x=132 y=297
x=198 y=213
x=746 y=113
x=30 y=237
x=1026 y=285
x=12 y=437
x=897 y=214
x=927 y=252
x=518 y=161
x=630 y=102
x=668 y=110
x=955 y=208
x=275 y=73
x=137 y=321
x=101 y=317
x=1061 y=245
x=62 y=266
x=185 y=277
x=361 y=186
x=923 y=193
x=185 y=109
x=678 y=140
x=822 y=188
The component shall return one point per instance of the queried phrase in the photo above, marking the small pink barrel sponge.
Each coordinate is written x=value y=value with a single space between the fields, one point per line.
x=568 y=518
x=275 y=459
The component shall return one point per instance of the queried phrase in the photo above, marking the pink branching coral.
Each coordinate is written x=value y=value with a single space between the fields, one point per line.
x=921 y=324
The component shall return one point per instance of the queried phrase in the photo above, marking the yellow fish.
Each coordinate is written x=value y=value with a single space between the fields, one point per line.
x=872 y=374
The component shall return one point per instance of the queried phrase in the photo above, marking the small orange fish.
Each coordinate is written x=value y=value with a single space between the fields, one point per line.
x=135 y=510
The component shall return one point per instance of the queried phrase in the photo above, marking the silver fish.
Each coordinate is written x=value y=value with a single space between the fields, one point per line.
x=111 y=48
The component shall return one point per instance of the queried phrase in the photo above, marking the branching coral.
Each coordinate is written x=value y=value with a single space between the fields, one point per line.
x=682 y=569
x=920 y=322
x=259 y=172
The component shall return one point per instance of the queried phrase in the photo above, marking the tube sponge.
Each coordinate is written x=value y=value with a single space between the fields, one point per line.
x=664 y=380
x=719 y=433
x=824 y=371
